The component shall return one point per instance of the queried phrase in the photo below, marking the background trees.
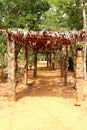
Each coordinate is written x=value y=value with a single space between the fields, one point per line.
x=41 y=14
x=22 y=14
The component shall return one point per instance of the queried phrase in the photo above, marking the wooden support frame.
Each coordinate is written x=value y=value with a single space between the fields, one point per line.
x=11 y=70
x=20 y=37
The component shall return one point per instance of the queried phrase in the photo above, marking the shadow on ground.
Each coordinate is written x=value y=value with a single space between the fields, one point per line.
x=47 y=83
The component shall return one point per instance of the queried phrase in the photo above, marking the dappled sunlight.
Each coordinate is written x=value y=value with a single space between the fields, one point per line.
x=48 y=83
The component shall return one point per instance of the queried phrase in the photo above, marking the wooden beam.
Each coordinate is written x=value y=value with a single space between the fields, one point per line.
x=11 y=70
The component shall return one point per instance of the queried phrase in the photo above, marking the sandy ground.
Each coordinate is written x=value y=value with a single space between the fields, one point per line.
x=44 y=104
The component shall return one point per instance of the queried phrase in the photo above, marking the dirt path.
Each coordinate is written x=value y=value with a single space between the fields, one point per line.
x=44 y=104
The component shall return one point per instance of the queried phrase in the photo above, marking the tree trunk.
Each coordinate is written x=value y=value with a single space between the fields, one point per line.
x=83 y=13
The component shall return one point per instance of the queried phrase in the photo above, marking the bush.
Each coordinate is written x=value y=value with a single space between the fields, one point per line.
x=79 y=47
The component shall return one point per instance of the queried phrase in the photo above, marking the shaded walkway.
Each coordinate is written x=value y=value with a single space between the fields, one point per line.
x=47 y=83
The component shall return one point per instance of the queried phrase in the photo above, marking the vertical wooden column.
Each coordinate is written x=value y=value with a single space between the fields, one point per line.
x=11 y=70
x=62 y=63
x=84 y=68
x=66 y=66
x=54 y=61
x=50 y=59
x=26 y=65
x=47 y=60
x=35 y=64
x=79 y=78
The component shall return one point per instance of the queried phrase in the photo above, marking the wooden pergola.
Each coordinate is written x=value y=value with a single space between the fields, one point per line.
x=41 y=41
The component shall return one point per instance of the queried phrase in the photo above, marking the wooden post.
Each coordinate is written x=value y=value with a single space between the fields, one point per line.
x=11 y=70
x=84 y=68
x=83 y=4
x=50 y=59
x=26 y=65
x=47 y=60
x=66 y=66
x=79 y=78
x=54 y=61
x=35 y=64
x=62 y=62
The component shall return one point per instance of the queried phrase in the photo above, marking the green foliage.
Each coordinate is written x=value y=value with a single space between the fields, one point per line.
x=80 y=46
x=3 y=51
x=74 y=13
x=22 y=14
x=41 y=14
x=65 y=14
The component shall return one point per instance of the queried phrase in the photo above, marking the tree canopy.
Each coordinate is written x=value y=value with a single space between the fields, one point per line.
x=22 y=14
x=41 y=14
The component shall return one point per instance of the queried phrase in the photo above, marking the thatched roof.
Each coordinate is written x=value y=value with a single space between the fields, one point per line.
x=44 y=39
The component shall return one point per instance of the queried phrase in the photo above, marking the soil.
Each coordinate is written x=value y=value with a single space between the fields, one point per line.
x=44 y=103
